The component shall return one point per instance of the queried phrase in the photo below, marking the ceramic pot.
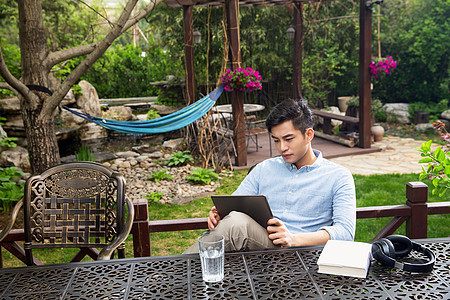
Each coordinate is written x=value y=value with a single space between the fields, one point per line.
x=342 y=103
x=377 y=132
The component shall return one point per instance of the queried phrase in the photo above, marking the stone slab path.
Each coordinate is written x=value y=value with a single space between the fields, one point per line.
x=397 y=156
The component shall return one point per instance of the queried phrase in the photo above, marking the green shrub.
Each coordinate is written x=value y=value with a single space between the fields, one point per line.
x=10 y=191
x=169 y=98
x=84 y=154
x=157 y=176
x=154 y=197
x=152 y=114
x=180 y=158
x=433 y=109
x=122 y=67
x=202 y=176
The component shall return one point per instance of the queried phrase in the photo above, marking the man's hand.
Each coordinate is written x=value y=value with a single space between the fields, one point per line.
x=279 y=234
x=213 y=218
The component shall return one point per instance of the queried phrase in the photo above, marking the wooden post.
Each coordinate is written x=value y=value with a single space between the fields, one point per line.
x=417 y=223
x=189 y=53
x=297 y=59
x=365 y=56
x=237 y=98
x=140 y=229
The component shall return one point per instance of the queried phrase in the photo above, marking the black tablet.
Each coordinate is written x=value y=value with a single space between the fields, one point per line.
x=256 y=206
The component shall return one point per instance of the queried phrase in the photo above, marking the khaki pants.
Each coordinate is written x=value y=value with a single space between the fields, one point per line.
x=241 y=233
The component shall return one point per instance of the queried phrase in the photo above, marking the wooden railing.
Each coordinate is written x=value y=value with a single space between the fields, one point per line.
x=415 y=213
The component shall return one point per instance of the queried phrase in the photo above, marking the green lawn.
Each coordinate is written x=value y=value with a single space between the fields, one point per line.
x=370 y=191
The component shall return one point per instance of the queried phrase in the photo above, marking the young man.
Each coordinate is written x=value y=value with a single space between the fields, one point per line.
x=312 y=199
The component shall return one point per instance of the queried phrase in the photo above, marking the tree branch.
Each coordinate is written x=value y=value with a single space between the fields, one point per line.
x=12 y=83
x=55 y=58
x=141 y=14
x=100 y=48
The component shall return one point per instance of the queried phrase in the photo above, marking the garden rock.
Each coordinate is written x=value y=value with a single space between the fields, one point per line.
x=92 y=131
x=3 y=132
x=446 y=114
x=120 y=113
x=144 y=149
x=69 y=98
x=88 y=101
x=17 y=156
x=422 y=127
x=397 y=112
x=70 y=118
x=10 y=105
x=127 y=154
x=156 y=155
x=165 y=109
x=173 y=144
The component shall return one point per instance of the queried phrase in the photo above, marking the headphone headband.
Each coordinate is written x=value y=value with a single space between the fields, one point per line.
x=386 y=251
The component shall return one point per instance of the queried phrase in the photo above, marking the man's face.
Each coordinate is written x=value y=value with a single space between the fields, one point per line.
x=291 y=143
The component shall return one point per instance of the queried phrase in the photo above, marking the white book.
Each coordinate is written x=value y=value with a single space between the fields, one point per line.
x=345 y=258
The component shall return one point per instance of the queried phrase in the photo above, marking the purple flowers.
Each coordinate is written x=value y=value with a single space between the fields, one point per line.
x=380 y=66
x=244 y=80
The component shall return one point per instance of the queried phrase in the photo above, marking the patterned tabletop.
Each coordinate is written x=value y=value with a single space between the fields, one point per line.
x=272 y=274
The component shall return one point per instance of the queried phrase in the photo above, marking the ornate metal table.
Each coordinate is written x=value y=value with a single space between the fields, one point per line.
x=272 y=274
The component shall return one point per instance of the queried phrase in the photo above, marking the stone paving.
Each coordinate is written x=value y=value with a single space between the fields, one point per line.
x=397 y=156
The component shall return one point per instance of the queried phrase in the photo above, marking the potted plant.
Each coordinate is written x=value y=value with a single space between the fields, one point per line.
x=244 y=80
x=381 y=66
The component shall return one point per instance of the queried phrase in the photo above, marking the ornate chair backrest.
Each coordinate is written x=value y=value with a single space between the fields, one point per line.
x=79 y=204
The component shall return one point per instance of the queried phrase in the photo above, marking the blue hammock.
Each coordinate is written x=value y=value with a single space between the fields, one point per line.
x=174 y=121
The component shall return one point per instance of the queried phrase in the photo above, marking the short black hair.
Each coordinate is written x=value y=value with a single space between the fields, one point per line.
x=291 y=110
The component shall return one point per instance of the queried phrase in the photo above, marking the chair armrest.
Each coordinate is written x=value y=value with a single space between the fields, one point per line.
x=11 y=220
x=105 y=253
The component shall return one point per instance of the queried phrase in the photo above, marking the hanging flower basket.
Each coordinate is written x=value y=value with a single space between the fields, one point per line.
x=381 y=66
x=244 y=80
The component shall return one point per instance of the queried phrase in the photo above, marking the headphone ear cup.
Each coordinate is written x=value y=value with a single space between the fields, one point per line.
x=384 y=252
x=401 y=244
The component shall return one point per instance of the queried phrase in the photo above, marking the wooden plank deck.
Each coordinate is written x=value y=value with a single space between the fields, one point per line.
x=329 y=150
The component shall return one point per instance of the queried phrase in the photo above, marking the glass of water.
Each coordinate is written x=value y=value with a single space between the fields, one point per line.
x=211 y=248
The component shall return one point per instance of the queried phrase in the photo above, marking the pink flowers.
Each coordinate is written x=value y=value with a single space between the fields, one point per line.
x=244 y=80
x=381 y=66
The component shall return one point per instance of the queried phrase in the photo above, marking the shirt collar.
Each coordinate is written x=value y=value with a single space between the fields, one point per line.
x=315 y=165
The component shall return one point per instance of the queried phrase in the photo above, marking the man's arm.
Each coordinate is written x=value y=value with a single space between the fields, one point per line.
x=280 y=235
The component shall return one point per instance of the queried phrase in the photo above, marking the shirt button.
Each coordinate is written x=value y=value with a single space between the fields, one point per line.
x=296 y=175
x=290 y=192
x=285 y=210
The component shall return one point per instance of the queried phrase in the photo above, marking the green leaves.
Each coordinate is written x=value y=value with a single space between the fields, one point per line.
x=438 y=170
x=10 y=191
x=154 y=197
x=157 y=176
x=84 y=154
x=202 y=176
x=180 y=158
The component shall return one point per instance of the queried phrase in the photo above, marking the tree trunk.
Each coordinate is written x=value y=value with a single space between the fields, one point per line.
x=41 y=138
x=39 y=126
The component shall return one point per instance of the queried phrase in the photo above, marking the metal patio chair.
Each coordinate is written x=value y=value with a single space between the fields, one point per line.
x=75 y=205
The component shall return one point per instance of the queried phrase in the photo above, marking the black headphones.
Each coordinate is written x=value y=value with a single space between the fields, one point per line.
x=386 y=250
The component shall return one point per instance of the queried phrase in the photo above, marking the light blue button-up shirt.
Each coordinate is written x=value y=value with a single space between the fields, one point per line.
x=314 y=197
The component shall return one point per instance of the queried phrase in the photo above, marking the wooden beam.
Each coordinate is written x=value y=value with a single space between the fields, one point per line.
x=365 y=56
x=297 y=59
x=189 y=53
x=237 y=98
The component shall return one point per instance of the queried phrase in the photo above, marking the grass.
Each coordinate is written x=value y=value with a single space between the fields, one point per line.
x=371 y=190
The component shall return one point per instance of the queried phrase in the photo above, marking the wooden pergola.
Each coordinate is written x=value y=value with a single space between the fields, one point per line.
x=237 y=98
